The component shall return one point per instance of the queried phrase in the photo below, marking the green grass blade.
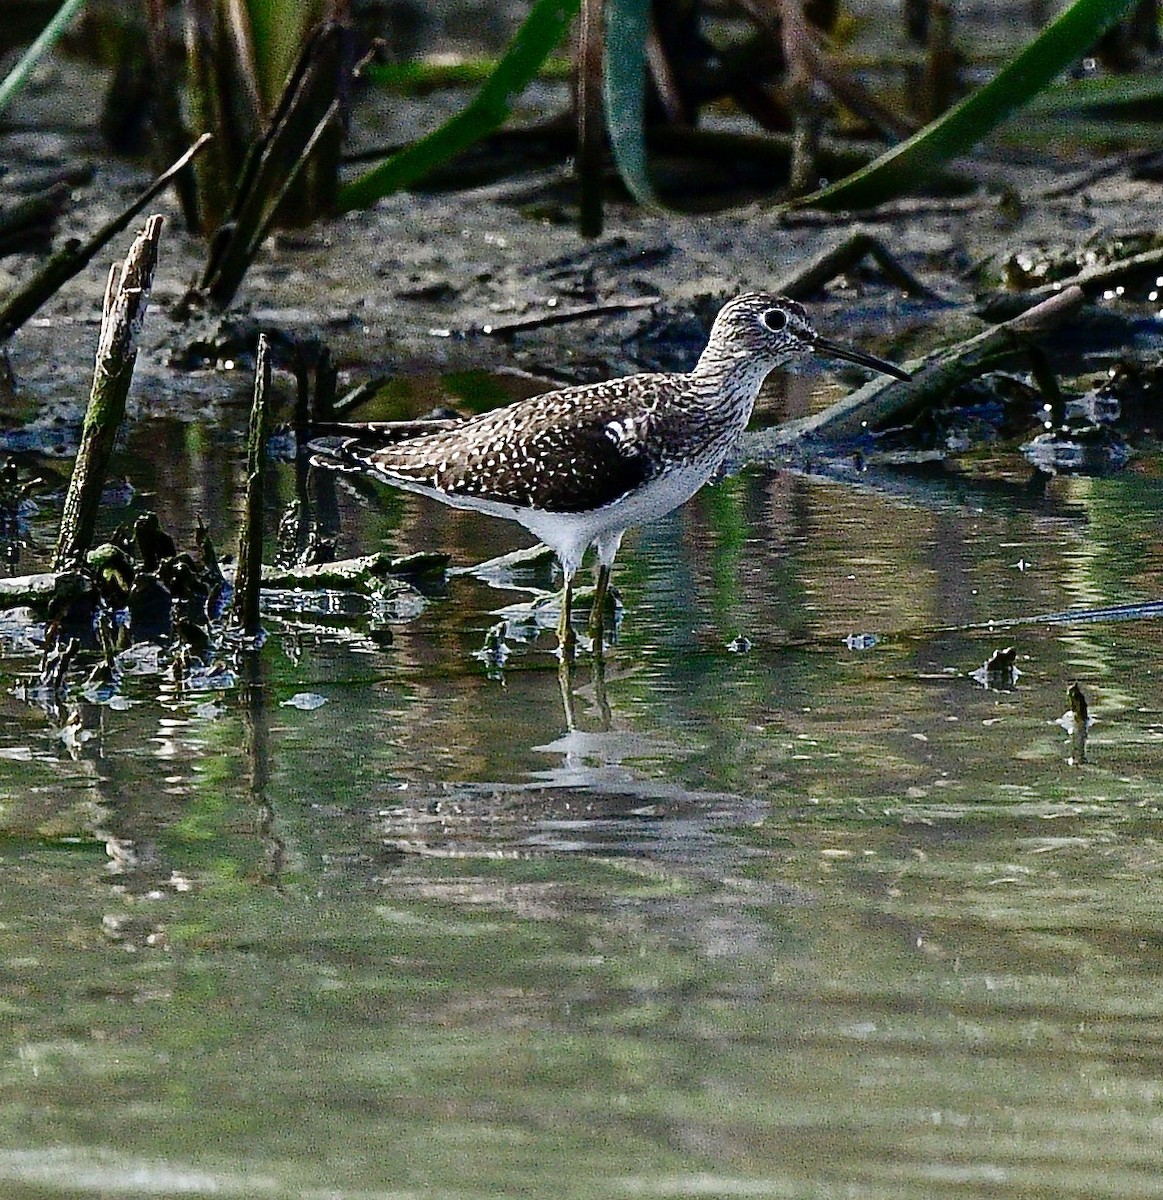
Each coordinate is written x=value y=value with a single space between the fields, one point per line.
x=963 y=126
x=15 y=79
x=627 y=24
x=537 y=38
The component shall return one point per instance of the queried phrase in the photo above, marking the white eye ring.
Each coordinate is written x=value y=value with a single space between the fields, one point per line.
x=775 y=319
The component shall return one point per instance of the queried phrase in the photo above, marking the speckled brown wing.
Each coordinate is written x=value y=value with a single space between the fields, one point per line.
x=572 y=468
x=568 y=451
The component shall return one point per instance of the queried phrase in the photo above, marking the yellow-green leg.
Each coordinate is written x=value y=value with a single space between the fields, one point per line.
x=607 y=550
x=598 y=611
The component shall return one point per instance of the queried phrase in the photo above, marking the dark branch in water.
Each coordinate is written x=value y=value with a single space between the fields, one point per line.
x=346 y=574
x=355 y=572
x=249 y=581
x=74 y=256
x=934 y=379
x=126 y=300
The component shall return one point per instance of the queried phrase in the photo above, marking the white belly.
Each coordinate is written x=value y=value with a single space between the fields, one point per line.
x=570 y=534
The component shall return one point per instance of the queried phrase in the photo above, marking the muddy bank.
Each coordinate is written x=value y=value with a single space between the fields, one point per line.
x=392 y=290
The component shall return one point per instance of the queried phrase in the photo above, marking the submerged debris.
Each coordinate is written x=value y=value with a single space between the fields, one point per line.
x=995 y=407
x=1135 y=388
x=1077 y=723
x=999 y=671
x=1087 y=450
x=135 y=588
x=1091 y=433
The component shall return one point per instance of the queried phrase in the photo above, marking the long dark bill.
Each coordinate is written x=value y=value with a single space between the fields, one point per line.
x=835 y=350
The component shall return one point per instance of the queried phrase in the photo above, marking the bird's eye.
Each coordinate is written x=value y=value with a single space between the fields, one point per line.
x=775 y=319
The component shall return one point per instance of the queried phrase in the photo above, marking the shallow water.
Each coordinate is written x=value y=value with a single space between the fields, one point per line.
x=779 y=902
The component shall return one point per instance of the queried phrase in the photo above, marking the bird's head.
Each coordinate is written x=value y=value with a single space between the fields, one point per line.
x=772 y=330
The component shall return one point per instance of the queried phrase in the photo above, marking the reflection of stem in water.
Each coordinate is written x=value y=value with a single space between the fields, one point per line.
x=124 y=819
x=248 y=580
x=1078 y=742
x=256 y=749
x=321 y=484
x=315 y=523
x=83 y=731
x=1110 y=555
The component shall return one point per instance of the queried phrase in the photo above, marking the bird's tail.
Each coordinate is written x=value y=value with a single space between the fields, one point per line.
x=347 y=446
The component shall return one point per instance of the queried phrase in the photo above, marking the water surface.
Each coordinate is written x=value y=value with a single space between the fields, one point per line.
x=780 y=901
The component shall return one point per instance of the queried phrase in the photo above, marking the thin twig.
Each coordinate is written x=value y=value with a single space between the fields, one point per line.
x=1100 y=170
x=74 y=256
x=249 y=580
x=358 y=395
x=561 y=316
x=890 y=213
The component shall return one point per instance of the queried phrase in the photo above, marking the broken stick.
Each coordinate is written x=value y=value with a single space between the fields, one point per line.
x=126 y=300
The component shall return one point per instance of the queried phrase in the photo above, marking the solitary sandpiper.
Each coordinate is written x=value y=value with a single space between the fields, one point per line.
x=577 y=467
